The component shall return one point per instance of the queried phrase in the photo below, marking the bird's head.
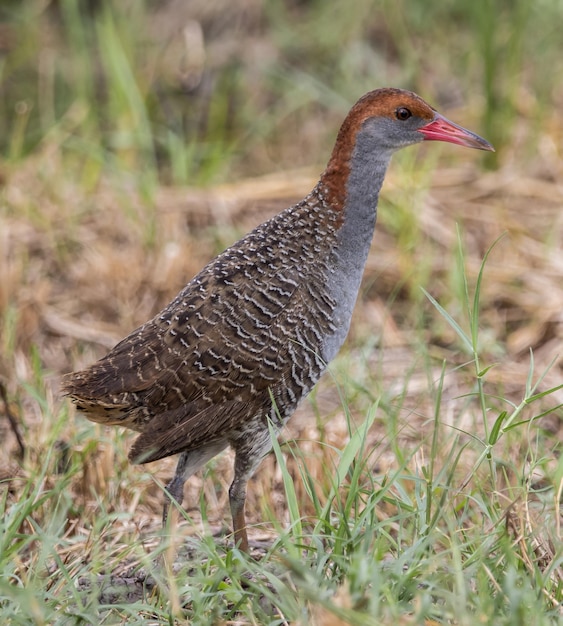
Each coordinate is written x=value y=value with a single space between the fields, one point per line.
x=394 y=118
x=380 y=123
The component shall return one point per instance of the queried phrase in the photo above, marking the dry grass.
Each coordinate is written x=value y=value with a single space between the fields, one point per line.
x=78 y=273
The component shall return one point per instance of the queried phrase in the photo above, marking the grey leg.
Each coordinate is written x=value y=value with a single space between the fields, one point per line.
x=188 y=463
x=249 y=455
x=175 y=488
x=237 y=500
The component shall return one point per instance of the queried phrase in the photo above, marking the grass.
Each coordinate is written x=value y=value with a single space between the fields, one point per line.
x=410 y=544
x=421 y=482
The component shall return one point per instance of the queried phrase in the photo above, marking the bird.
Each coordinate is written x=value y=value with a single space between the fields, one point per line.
x=241 y=345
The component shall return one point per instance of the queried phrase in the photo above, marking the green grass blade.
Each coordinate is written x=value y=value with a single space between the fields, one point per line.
x=477 y=295
x=465 y=340
x=289 y=488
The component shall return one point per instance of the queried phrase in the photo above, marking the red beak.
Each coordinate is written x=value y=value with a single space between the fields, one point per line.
x=441 y=129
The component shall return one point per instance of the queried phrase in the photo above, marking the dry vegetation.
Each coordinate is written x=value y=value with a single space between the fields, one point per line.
x=82 y=264
x=72 y=288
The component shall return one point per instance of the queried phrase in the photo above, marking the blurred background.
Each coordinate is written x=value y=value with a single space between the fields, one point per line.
x=204 y=91
x=140 y=138
x=110 y=110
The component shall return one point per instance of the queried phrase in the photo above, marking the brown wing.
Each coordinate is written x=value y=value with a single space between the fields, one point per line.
x=247 y=326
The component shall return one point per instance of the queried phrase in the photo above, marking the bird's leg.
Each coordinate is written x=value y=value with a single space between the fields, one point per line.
x=175 y=488
x=237 y=500
x=174 y=491
x=248 y=458
x=188 y=463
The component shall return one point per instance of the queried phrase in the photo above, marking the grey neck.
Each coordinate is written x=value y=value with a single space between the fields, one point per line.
x=366 y=173
x=362 y=193
x=368 y=166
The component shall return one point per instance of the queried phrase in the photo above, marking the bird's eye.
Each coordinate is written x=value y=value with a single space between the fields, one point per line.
x=402 y=113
